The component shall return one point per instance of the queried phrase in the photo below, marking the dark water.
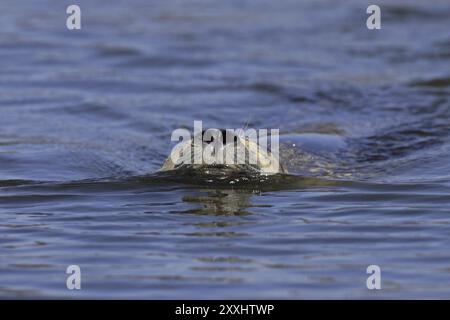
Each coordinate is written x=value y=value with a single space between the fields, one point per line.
x=86 y=118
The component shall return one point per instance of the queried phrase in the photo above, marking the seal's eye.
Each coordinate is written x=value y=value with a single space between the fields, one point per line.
x=224 y=136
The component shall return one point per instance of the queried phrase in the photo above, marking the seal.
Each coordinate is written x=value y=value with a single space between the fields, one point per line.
x=306 y=154
x=191 y=156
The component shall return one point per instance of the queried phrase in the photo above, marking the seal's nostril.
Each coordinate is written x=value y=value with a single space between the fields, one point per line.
x=224 y=136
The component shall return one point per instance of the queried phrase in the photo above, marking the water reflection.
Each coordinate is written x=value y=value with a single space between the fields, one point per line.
x=220 y=202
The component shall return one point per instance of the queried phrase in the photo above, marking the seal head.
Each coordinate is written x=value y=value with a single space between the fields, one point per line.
x=222 y=153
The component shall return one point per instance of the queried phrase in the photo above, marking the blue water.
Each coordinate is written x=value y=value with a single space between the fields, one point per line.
x=86 y=118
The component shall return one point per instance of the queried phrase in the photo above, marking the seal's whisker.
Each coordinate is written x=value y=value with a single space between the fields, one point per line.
x=246 y=124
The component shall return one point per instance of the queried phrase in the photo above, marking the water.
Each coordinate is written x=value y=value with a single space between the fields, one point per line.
x=86 y=118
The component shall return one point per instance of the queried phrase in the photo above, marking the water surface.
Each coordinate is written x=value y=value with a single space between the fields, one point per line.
x=86 y=118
